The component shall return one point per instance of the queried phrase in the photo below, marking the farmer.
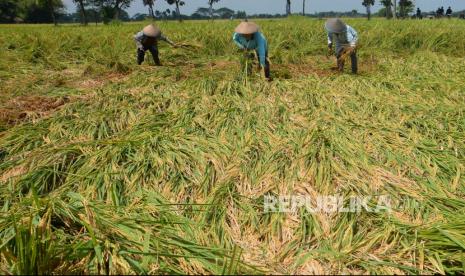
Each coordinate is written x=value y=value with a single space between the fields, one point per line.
x=441 y=11
x=346 y=39
x=147 y=39
x=449 y=12
x=247 y=36
x=419 y=14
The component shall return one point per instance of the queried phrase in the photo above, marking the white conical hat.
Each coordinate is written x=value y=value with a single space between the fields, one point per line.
x=335 y=25
x=151 y=31
x=247 y=28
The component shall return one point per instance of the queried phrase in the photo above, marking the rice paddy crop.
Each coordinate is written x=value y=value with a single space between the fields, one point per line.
x=164 y=169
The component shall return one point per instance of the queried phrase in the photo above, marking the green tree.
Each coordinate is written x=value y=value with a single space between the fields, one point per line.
x=394 y=5
x=178 y=3
x=53 y=7
x=368 y=4
x=8 y=10
x=203 y=12
x=40 y=11
x=241 y=14
x=94 y=10
x=405 y=7
x=210 y=4
x=224 y=13
x=150 y=4
x=111 y=9
x=387 y=8
x=119 y=6
x=288 y=7
x=82 y=9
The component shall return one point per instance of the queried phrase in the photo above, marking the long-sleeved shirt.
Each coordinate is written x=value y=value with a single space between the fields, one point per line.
x=257 y=43
x=349 y=37
x=140 y=39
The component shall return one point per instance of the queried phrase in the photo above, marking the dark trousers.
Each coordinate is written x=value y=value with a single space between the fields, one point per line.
x=353 y=60
x=267 y=64
x=153 y=50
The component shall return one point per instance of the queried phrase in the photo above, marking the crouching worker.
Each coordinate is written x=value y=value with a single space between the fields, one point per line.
x=147 y=39
x=248 y=37
x=345 y=38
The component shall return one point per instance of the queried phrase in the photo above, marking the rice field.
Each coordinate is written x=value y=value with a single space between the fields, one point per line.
x=107 y=167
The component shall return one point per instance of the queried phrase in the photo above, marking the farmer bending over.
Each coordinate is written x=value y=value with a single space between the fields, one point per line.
x=248 y=37
x=346 y=41
x=419 y=14
x=147 y=39
x=449 y=12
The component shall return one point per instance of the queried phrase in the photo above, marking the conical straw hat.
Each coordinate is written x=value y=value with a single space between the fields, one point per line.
x=247 y=28
x=335 y=25
x=151 y=31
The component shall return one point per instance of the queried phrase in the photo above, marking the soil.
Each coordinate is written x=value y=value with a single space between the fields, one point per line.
x=290 y=71
x=23 y=108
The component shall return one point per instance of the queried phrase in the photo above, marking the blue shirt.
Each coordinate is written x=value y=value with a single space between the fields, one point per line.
x=349 y=37
x=257 y=43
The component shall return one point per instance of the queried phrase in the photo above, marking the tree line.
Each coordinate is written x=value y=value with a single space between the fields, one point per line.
x=45 y=11
x=391 y=8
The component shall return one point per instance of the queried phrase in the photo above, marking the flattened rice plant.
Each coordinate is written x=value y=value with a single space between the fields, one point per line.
x=165 y=169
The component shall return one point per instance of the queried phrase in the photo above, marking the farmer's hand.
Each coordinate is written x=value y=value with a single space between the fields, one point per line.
x=330 y=49
x=351 y=49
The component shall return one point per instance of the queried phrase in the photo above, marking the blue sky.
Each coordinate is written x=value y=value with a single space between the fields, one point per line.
x=278 y=6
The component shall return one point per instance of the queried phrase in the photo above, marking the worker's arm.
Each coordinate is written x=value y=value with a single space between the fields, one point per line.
x=237 y=38
x=167 y=40
x=330 y=43
x=352 y=36
x=261 y=49
x=138 y=39
x=330 y=40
